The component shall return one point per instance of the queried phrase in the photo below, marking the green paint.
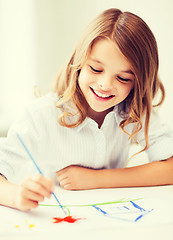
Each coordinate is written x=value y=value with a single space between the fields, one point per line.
x=89 y=205
x=67 y=211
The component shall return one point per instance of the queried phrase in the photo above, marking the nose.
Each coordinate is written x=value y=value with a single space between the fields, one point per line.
x=105 y=82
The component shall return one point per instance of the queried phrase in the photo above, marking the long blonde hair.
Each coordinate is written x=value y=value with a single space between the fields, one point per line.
x=137 y=43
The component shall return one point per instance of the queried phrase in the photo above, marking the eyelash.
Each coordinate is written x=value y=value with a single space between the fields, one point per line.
x=119 y=78
x=123 y=79
x=95 y=70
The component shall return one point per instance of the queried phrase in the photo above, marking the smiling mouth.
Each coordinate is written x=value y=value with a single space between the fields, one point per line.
x=101 y=95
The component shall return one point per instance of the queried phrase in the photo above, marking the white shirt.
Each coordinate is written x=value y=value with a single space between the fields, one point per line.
x=55 y=147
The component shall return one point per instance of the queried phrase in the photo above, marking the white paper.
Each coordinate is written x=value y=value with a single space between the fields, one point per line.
x=102 y=211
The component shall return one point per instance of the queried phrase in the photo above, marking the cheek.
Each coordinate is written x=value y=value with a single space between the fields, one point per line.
x=84 y=78
x=81 y=80
x=125 y=90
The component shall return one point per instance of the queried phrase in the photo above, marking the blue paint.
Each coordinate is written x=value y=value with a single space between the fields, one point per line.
x=141 y=212
x=37 y=167
x=100 y=210
x=126 y=208
x=138 y=207
x=139 y=217
x=142 y=215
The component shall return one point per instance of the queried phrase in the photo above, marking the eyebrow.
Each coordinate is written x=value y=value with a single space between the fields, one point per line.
x=127 y=71
x=95 y=60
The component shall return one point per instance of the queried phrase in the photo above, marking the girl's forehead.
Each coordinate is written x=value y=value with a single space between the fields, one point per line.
x=106 y=52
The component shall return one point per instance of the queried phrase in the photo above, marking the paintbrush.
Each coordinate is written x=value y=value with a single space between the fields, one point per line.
x=39 y=170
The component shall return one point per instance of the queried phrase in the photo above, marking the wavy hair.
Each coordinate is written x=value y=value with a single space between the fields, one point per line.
x=137 y=43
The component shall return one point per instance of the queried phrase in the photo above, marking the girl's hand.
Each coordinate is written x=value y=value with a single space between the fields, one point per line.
x=32 y=191
x=77 y=178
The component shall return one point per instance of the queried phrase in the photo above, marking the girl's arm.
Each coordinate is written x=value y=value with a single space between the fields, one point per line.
x=150 y=174
x=27 y=195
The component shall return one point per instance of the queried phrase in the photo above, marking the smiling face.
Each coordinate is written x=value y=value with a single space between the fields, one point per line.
x=106 y=78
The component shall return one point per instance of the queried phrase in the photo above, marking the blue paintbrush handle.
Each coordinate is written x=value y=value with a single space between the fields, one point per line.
x=39 y=170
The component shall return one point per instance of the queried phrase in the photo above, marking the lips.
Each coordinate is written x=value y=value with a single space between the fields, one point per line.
x=101 y=95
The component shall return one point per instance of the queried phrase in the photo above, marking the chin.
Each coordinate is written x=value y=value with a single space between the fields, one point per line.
x=100 y=110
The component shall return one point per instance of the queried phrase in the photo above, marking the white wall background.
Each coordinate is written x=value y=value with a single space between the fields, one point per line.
x=37 y=36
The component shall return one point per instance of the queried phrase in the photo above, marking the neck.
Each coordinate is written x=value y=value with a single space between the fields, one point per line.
x=98 y=117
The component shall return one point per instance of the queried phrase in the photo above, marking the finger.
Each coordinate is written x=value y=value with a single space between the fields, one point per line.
x=36 y=188
x=31 y=204
x=62 y=178
x=26 y=205
x=60 y=172
x=64 y=182
x=47 y=183
x=22 y=200
x=64 y=170
x=30 y=195
x=67 y=187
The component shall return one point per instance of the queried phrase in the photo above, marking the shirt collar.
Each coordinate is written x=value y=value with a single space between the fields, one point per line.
x=113 y=115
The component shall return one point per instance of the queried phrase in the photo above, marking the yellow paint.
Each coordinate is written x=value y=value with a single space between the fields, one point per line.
x=26 y=224
x=17 y=226
x=31 y=225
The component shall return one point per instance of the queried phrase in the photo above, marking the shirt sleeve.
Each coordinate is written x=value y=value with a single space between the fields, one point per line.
x=14 y=161
x=37 y=128
x=160 y=139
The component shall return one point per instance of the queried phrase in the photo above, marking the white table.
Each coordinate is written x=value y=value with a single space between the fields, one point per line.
x=119 y=224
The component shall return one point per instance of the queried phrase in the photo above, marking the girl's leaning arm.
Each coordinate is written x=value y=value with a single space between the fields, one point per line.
x=150 y=174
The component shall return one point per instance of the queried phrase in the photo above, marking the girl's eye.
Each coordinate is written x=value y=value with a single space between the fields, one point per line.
x=95 y=70
x=123 y=79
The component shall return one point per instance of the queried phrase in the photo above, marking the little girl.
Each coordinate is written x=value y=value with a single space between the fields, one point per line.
x=81 y=133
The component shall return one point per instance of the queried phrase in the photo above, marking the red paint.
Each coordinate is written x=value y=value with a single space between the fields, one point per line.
x=68 y=219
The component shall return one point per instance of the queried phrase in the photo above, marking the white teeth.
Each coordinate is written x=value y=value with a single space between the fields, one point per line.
x=101 y=94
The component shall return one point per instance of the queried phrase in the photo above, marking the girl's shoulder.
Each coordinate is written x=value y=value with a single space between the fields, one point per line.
x=48 y=100
x=43 y=106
